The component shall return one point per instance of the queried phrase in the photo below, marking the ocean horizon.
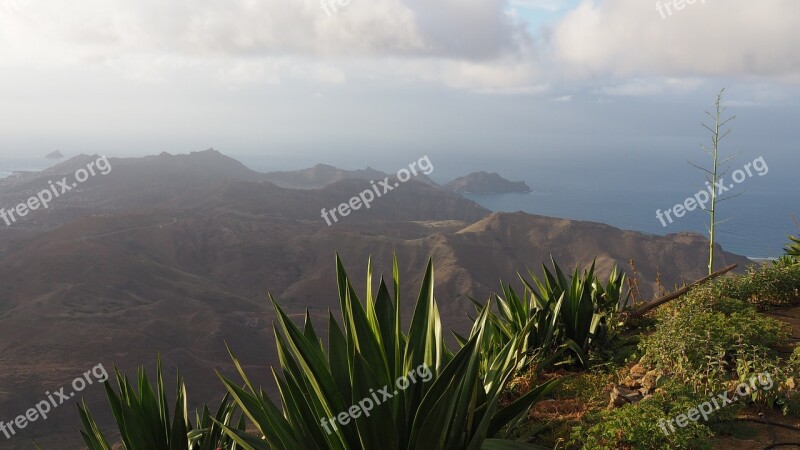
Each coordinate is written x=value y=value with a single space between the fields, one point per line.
x=756 y=224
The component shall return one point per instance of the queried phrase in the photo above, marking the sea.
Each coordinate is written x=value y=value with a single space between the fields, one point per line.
x=10 y=165
x=754 y=219
x=626 y=189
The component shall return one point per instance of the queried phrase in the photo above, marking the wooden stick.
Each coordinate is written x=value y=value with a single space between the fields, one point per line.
x=680 y=292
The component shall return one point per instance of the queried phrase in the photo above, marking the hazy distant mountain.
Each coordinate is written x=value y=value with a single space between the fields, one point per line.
x=322 y=175
x=485 y=183
x=319 y=176
x=54 y=155
x=177 y=253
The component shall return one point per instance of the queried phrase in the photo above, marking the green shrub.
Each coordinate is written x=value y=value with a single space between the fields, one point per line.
x=794 y=360
x=763 y=285
x=636 y=426
x=589 y=387
x=701 y=337
x=786 y=393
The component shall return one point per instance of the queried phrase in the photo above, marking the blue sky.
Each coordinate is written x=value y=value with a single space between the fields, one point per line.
x=538 y=13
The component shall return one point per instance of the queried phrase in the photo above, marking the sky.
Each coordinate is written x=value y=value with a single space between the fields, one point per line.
x=378 y=82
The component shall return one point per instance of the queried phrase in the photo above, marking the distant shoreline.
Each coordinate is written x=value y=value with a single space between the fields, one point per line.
x=12 y=167
x=762 y=260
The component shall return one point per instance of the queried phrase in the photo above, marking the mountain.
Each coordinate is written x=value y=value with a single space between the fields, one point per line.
x=323 y=175
x=320 y=176
x=485 y=183
x=54 y=155
x=176 y=254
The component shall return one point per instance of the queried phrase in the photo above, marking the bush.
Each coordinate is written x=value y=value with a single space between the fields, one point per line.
x=591 y=387
x=786 y=395
x=764 y=285
x=711 y=341
x=636 y=426
x=701 y=338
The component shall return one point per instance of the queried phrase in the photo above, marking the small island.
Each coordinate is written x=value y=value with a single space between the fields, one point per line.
x=485 y=183
x=54 y=155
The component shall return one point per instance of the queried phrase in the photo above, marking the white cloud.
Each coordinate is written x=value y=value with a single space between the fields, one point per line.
x=247 y=72
x=652 y=86
x=623 y=45
x=472 y=45
x=479 y=29
x=511 y=77
x=728 y=38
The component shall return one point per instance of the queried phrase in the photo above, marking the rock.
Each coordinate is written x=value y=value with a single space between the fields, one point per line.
x=631 y=383
x=649 y=381
x=621 y=396
x=638 y=371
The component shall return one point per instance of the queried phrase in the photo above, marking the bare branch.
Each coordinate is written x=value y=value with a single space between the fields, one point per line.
x=709 y=128
x=722 y=199
x=701 y=168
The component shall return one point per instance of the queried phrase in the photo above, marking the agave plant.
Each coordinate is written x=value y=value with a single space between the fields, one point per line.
x=584 y=307
x=611 y=300
x=613 y=297
x=793 y=249
x=456 y=407
x=528 y=316
x=574 y=300
x=785 y=261
x=144 y=421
